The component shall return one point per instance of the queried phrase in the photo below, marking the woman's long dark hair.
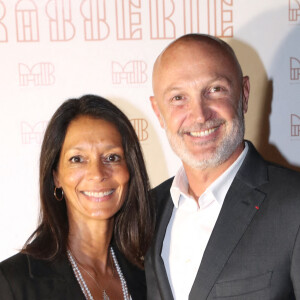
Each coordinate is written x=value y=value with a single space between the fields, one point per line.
x=134 y=222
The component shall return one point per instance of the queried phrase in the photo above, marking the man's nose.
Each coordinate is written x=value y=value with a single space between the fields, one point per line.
x=200 y=109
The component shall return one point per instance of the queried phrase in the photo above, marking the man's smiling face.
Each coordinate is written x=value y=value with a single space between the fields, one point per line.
x=199 y=98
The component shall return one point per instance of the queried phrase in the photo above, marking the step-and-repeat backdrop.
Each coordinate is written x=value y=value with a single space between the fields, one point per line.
x=52 y=50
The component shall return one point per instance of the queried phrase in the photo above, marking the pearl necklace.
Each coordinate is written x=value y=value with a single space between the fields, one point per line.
x=83 y=284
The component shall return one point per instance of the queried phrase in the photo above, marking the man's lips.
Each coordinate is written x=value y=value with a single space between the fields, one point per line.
x=203 y=133
x=202 y=130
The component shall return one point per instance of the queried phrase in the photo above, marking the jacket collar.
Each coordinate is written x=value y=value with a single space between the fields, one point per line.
x=254 y=171
x=56 y=278
x=43 y=269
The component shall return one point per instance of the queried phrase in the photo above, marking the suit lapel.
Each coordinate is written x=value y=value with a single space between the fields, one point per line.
x=159 y=267
x=240 y=205
x=232 y=222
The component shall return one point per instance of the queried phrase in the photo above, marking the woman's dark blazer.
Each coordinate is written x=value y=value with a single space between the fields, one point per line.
x=23 y=277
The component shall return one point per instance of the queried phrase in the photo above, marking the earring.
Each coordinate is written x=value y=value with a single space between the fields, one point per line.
x=55 y=195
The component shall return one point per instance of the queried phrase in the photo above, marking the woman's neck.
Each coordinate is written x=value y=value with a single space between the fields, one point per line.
x=89 y=242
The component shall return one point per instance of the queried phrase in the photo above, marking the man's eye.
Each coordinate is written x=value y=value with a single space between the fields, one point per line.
x=76 y=159
x=112 y=158
x=177 y=98
x=216 y=89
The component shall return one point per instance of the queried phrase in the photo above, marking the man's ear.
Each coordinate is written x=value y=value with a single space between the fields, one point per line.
x=157 y=111
x=246 y=92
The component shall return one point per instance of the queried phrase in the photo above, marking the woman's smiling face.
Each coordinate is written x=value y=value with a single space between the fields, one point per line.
x=92 y=170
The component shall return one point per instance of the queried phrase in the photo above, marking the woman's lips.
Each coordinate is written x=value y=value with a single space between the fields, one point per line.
x=98 y=194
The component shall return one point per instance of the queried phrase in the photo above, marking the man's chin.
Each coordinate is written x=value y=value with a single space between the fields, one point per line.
x=200 y=162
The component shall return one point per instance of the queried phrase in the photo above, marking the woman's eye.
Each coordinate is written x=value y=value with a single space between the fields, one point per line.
x=76 y=159
x=112 y=158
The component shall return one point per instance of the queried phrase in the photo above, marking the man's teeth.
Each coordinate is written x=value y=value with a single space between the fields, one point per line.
x=203 y=133
x=98 y=195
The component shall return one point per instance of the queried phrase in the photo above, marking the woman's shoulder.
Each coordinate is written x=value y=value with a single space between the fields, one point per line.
x=12 y=269
x=27 y=265
x=12 y=259
x=14 y=264
x=24 y=277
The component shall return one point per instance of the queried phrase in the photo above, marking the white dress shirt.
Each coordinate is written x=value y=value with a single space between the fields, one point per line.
x=190 y=227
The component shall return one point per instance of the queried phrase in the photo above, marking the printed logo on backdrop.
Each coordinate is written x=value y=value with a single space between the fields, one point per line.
x=131 y=72
x=295 y=125
x=161 y=24
x=163 y=19
x=27 y=21
x=294 y=69
x=294 y=11
x=207 y=16
x=140 y=126
x=40 y=74
x=94 y=19
x=61 y=27
x=128 y=20
x=33 y=133
x=3 y=29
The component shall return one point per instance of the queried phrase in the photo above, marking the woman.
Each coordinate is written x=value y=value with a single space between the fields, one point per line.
x=96 y=215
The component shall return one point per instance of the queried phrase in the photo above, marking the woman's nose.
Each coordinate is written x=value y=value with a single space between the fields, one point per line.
x=98 y=171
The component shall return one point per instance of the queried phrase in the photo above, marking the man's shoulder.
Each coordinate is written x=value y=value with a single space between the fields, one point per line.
x=257 y=171
x=161 y=193
x=163 y=188
x=279 y=182
x=283 y=175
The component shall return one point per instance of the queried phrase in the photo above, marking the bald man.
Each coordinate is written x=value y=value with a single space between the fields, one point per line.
x=228 y=222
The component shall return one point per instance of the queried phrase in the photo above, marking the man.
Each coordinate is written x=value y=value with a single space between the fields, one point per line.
x=228 y=223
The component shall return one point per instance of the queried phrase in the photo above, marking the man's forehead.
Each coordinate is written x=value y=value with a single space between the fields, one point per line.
x=193 y=49
x=204 y=47
x=186 y=52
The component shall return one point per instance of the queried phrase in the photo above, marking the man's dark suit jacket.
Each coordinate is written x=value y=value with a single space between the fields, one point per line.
x=254 y=250
x=25 y=278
